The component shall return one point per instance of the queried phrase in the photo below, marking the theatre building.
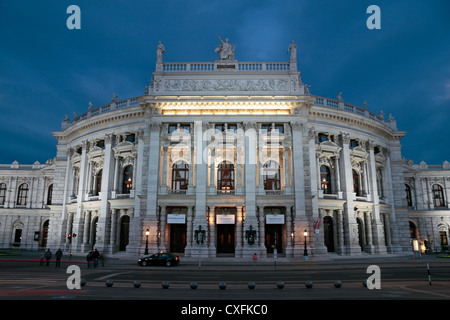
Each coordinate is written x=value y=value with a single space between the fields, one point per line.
x=226 y=158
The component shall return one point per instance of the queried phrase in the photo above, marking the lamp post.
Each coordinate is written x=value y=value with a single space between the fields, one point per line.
x=305 y=251
x=146 y=241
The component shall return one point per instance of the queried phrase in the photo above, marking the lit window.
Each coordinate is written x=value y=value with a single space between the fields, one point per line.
x=325 y=181
x=127 y=179
x=225 y=177
x=180 y=176
x=271 y=176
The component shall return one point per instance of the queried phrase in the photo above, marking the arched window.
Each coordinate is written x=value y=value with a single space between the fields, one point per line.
x=2 y=193
x=127 y=179
x=225 y=177
x=49 y=194
x=180 y=176
x=325 y=179
x=98 y=182
x=22 y=195
x=356 y=186
x=438 y=196
x=271 y=176
x=408 y=195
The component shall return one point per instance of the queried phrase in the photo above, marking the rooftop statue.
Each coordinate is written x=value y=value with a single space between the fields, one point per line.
x=293 y=49
x=225 y=51
x=159 y=52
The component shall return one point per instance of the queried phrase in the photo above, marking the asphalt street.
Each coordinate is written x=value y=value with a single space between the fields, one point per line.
x=400 y=278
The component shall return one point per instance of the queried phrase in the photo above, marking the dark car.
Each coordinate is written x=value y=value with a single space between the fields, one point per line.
x=159 y=259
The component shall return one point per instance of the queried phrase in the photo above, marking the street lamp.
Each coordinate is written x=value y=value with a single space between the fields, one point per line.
x=305 y=252
x=146 y=241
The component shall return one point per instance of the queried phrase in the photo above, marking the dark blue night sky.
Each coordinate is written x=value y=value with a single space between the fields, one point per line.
x=47 y=70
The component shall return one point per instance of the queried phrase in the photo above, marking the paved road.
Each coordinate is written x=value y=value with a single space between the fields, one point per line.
x=401 y=278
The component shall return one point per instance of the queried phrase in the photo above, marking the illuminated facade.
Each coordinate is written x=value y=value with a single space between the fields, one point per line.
x=239 y=152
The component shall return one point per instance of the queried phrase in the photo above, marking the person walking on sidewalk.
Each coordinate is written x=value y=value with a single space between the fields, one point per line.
x=95 y=256
x=48 y=256
x=89 y=258
x=41 y=263
x=58 y=256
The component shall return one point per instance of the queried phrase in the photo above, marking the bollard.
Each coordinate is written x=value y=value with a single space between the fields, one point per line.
x=137 y=284
x=165 y=285
x=337 y=284
x=280 y=284
x=309 y=284
x=109 y=283
x=251 y=285
x=193 y=285
x=222 y=286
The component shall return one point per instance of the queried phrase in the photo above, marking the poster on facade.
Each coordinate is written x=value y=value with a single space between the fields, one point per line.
x=225 y=219
x=176 y=218
x=274 y=219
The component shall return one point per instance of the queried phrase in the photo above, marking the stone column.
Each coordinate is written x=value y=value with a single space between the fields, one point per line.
x=377 y=228
x=289 y=232
x=239 y=232
x=104 y=220
x=287 y=179
x=340 y=229
x=212 y=172
x=368 y=226
x=350 y=225
x=150 y=219
x=77 y=220
x=262 y=233
x=201 y=187
x=212 y=232
x=113 y=235
x=162 y=235
x=189 y=232
x=301 y=221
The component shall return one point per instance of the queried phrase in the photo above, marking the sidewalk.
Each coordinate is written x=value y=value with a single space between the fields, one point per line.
x=329 y=259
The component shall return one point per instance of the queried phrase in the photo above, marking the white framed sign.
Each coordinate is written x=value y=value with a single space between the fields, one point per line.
x=274 y=218
x=176 y=218
x=225 y=219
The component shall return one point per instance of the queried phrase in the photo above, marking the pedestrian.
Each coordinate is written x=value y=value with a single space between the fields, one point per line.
x=89 y=258
x=95 y=256
x=48 y=256
x=41 y=263
x=58 y=256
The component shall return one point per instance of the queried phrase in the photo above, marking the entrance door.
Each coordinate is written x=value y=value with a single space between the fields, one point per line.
x=225 y=238
x=328 y=233
x=274 y=237
x=124 y=233
x=177 y=238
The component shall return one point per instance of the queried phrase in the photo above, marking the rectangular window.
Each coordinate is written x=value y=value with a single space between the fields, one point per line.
x=265 y=127
x=181 y=126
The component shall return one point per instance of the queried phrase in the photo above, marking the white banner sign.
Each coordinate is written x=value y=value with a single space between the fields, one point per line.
x=225 y=219
x=176 y=218
x=274 y=219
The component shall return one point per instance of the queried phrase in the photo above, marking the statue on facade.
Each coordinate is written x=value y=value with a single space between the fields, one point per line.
x=159 y=52
x=293 y=49
x=225 y=51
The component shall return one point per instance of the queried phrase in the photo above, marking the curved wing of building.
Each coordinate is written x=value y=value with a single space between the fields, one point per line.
x=225 y=158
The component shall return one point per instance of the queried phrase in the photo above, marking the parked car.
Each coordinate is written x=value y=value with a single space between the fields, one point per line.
x=159 y=259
